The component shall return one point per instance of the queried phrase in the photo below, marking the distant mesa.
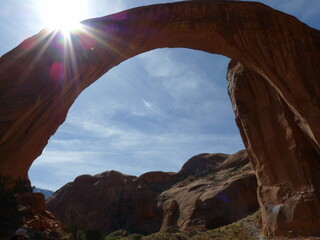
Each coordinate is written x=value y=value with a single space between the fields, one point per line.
x=47 y=193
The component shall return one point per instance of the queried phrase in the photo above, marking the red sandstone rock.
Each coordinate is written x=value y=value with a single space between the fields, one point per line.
x=39 y=83
x=157 y=177
x=111 y=200
x=35 y=217
x=289 y=201
x=226 y=195
x=33 y=200
x=201 y=162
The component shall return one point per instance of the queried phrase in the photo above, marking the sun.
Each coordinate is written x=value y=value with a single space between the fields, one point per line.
x=64 y=15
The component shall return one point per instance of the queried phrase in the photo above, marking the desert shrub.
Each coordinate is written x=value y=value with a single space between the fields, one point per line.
x=172 y=229
x=94 y=235
x=40 y=236
x=55 y=234
x=168 y=236
x=117 y=235
x=80 y=235
x=134 y=236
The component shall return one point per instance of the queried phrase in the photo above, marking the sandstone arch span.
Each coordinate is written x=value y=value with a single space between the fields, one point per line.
x=41 y=78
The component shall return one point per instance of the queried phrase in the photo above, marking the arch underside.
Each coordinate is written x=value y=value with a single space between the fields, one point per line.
x=275 y=62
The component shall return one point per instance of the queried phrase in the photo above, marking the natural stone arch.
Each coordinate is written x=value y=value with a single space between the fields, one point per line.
x=40 y=79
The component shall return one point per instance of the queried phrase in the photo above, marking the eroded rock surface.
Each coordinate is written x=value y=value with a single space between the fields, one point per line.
x=39 y=81
x=111 y=201
x=226 y=194
x=222 y=193
x=289 y=201
x=35 y=216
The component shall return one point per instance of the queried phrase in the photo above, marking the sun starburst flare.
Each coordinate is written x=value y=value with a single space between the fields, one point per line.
x=62 y=15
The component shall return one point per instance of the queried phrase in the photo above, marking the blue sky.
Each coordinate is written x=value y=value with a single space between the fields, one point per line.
x=152 y=112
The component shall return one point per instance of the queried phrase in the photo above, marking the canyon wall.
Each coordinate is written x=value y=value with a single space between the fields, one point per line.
x=42 y=77
x=278 y=150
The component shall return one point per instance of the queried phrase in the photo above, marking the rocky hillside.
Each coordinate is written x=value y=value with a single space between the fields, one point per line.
x=209 y=191
x=47 y=193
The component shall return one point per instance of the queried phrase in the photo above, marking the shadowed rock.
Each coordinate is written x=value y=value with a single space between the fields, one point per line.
x=286 y=198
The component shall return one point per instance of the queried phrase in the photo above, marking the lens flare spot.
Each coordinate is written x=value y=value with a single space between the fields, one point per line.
x=57 y=72
x=224 y=197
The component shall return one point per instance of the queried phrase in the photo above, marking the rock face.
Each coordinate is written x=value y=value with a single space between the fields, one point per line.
x=39 y=82
x=226 y=194
x=200 y=163
x=32 y=207
x=286 y=199
x=110 y=201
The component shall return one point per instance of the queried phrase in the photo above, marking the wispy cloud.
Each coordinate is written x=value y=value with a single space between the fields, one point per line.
x=129 y=153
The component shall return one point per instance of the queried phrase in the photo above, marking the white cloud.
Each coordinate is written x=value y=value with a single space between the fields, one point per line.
x=147 y=104
x=129 y=152
x=159 y=63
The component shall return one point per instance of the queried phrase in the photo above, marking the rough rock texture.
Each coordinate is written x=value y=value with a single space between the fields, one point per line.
x=152 y=202
x=225 y=195
x=35 y=217
x=289 y=201
x=111 y=201
x=40 y=79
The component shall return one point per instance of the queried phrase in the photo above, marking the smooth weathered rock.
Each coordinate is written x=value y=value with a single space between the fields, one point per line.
x=289 y=201
x=225 y=195
x=111 y=201
x=152 y=202
x=40 y=79
x=157 y=177
x=201 y=162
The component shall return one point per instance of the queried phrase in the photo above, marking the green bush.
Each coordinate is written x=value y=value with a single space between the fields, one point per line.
x=80 y=235
x=134 y=236
x=117 y=235
x=94 y=235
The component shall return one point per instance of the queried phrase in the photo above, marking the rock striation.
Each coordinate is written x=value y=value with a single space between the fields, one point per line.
x=156 y=202
x=39 y=81
x=286 y=199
